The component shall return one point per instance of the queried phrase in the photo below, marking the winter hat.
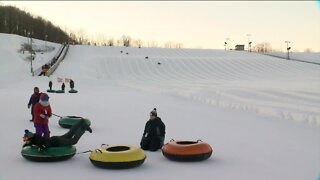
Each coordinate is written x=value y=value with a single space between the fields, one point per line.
x=44 y=97
x=154 y=112
x=27 y=135
x=36 y=89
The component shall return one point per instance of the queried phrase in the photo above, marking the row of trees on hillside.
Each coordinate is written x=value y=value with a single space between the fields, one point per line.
x=16 y=21
x=125 y=40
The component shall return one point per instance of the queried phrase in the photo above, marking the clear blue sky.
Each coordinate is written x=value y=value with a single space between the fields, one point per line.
x=195 y=24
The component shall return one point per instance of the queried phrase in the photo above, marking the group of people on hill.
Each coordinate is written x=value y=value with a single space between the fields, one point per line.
x=63 y=86
x=152 y=138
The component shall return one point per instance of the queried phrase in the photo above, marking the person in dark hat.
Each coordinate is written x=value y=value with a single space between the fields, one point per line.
x=70 y=138
x=50 y=85
x=33 y=100
x=63 y=86
x=154 y=133
x=71 y=84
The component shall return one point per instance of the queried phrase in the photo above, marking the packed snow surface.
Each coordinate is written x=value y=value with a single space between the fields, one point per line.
x=260 y=114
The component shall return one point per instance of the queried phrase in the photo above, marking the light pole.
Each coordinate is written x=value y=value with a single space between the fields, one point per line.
x=31 y=58
x=227 y=43
x=288 y=49
x=249 y=41
x=45 y=42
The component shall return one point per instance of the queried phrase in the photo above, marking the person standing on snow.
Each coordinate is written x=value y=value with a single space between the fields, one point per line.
x=62 y=87
x=71 y=84
x=50 y=85
x=154 y=133
x=42 y=112
x=33 y=100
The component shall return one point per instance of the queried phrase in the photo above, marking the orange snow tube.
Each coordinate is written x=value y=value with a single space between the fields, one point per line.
x=187 y=150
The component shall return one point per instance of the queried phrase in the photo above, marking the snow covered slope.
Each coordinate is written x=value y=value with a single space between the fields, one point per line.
x=227 y=79
x=244 y=105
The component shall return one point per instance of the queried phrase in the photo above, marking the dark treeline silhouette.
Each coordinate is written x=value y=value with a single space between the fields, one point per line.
x=16 y=21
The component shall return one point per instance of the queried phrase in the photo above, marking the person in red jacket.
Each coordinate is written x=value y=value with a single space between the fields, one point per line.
x=42 y=112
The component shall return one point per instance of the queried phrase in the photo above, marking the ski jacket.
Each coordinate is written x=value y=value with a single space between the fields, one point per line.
x=34 y=99
x=154 y=128
x=38 y=110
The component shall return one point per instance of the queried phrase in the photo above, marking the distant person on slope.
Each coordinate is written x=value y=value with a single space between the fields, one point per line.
x=50 y=85
x=63 y=87
x=154 y=133
x=71 y=84
x=33 y=100
x=70 y=138
x=42 y=112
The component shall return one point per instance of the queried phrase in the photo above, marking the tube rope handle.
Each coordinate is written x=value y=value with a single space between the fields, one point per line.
x=84 y=152
x=102 y=145
x=98 y=151
x=56 y=115
x=199 y=140
x=171 y=140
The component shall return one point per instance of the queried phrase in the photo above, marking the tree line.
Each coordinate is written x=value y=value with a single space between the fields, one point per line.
x=16 y=21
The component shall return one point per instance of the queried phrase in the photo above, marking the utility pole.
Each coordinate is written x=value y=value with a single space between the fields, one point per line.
x=227 y=43
x=31 y=51
x=45 y=42
x=249 y=42
x=288 y=49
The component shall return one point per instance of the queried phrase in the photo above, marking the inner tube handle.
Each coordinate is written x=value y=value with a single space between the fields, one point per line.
x=98 y=151
x=102 y=145
x=199 y=140
x=171 y=140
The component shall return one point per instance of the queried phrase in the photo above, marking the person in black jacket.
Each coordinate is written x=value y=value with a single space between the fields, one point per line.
x=62 y=87
x=50 y=85
x=33 y=100
x=71 y=84
x=70 y=138
x=154 y=133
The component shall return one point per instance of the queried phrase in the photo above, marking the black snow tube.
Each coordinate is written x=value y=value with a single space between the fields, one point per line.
x=51 y=91
x=73 y=91
x=59 y=91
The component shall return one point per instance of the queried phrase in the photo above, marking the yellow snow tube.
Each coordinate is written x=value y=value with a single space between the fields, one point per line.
x=117 y=157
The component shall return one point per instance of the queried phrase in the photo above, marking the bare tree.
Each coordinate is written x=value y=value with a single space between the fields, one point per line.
x=262 y=47
x=168 y=44
x=126 y=40
x=82 y=37
x=119 y=42
x=308 y=50
x=100 y=39
x=153 y=43
x=137 y=43
x=111 y=42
